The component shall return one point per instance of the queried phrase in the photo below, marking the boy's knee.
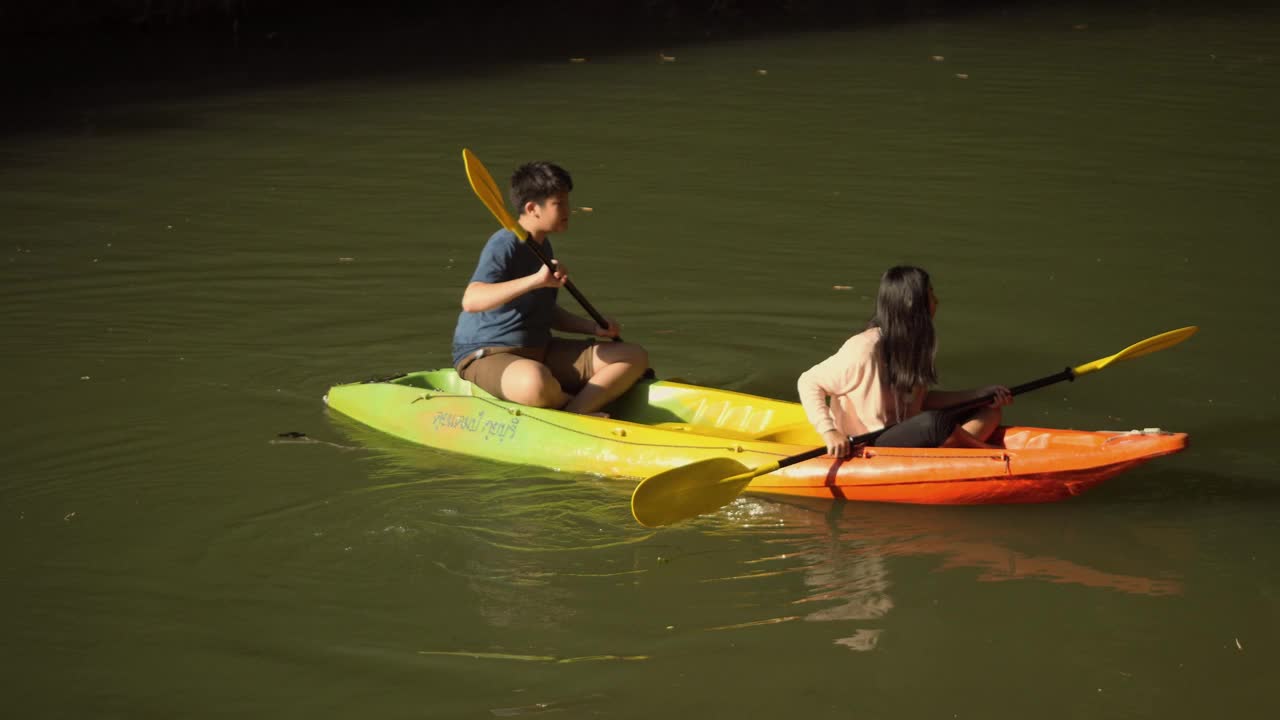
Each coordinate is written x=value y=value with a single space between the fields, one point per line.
x=533 y=386
x=548 y=396
x=541 y=395
x=622 y=353
x=633 y=354
x=638 y=356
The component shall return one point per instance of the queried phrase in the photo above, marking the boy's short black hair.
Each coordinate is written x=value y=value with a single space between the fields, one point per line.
x=537 y=181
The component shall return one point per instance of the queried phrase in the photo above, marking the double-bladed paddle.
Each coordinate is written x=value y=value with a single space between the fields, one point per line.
x=707 y=485
x=487 y=190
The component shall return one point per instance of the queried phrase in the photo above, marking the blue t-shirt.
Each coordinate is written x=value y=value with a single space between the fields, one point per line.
x=523 y=322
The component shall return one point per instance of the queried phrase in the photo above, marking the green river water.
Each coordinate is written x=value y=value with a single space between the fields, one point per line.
x=185 y=274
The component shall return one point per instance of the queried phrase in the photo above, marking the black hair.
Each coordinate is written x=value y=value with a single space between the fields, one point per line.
x=537 y=181
x=907 y=344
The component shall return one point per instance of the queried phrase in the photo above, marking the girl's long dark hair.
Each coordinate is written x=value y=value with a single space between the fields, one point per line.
x=907 y=344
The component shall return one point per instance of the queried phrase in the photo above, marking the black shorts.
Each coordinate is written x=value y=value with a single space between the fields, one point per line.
x=929 y=429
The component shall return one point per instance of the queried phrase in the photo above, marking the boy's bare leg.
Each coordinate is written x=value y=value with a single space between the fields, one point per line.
x=529 y=382
x=617 y=367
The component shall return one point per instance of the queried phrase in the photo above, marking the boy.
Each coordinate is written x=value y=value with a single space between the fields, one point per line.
x=503 y=340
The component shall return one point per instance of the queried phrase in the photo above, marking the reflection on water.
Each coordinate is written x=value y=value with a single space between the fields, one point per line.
x=845 y=551
x=516 y=541
x=521 y=544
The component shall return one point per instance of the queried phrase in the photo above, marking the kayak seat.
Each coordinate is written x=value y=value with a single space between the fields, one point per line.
x=700 y=430
x=798 y=433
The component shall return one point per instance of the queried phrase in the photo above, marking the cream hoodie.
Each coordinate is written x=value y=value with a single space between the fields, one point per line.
x=851 y=378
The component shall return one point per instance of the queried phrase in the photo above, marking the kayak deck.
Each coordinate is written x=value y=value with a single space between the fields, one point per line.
x=658 y=425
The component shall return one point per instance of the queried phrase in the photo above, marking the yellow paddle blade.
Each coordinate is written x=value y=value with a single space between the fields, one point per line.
x=1150 y=345
x=689 y=490
x=487 y=190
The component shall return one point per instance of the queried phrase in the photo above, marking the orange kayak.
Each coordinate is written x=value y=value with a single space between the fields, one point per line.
x=1034 y=465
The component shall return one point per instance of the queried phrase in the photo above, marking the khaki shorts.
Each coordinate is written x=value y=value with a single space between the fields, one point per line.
x=570 y=361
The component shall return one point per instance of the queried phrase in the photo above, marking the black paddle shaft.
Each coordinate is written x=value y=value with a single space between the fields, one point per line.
x=568 y=285
x=868 y=437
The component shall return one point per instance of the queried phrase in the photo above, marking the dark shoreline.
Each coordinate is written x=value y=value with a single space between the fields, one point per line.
x=61 y=59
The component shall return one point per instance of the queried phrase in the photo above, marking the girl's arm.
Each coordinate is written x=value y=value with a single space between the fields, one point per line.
x=812 y=387
x=814 y=399
x=837 y=375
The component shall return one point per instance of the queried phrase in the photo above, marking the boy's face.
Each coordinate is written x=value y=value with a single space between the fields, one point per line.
x=552 y=216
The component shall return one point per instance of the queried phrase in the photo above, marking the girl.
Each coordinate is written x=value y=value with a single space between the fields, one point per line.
x=881 y=377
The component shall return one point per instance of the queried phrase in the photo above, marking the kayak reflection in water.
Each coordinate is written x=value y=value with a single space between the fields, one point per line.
x=503 y=340
x=882 y=375
x=848 y=553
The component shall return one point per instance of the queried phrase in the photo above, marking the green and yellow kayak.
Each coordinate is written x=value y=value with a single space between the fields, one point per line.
x=659 y=425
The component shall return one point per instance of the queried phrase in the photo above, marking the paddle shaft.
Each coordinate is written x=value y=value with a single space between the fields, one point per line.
x=568 y=285
x=865 y=438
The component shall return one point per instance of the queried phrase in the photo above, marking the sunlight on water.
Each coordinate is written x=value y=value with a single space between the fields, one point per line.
x=189 y=531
